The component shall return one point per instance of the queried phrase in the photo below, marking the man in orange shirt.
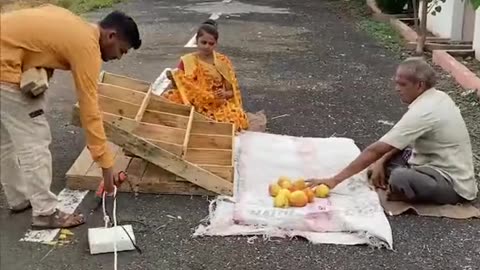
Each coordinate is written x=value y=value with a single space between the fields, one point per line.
x=52 y=38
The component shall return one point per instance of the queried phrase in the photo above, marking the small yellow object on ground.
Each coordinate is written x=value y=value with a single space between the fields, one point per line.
x=322 y=191
x=66 y=232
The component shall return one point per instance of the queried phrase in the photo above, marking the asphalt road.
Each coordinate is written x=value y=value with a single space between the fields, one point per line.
x=296 y=58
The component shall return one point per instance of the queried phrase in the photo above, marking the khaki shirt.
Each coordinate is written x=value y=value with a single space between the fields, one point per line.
x=433 y=126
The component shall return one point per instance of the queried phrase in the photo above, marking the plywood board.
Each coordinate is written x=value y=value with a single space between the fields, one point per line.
x=154 y=180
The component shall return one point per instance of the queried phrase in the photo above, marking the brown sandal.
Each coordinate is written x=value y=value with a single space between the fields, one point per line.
x=57 y=220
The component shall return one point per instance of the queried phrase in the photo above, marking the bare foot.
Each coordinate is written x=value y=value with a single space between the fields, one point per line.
x=57 y=220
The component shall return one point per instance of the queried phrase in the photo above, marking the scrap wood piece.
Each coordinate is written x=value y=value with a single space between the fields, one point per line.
x=166 y=160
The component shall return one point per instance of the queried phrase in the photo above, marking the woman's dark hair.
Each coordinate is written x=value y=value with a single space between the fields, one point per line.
x=209 y=27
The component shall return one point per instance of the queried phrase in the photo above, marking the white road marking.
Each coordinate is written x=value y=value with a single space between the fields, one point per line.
x=69 y=200
x=192 y=42
x=385 y=122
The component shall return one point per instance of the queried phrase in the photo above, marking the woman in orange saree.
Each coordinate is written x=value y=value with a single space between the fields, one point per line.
x=206 y=80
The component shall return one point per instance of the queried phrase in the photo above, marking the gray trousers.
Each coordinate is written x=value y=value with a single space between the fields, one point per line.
x=26 y=162
x=420 y=184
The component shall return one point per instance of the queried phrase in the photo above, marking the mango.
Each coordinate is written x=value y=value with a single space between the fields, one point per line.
x=284 y=182
x=273 y=189
x=299 y=184
x=322 y=191
x=298 y=199
x=310 y=194
x=281 y=201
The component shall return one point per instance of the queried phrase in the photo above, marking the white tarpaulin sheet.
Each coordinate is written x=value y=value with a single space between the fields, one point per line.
x=351 y=215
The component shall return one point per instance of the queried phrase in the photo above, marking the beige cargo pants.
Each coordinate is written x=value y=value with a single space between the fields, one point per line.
x=26 y=161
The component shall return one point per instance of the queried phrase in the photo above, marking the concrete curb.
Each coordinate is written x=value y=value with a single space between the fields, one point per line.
x=408 y=34
x=465 y=77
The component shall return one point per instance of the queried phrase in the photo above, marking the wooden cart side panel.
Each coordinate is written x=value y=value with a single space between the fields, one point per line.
x=210 y=141
x=169 y=161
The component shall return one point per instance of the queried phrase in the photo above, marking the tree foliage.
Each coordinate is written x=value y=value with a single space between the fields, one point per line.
x=434 y=6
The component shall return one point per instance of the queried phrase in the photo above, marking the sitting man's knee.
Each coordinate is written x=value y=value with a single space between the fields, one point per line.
x=399 y=176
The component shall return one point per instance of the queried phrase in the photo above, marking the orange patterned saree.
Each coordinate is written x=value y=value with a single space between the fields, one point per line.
x=197 y=82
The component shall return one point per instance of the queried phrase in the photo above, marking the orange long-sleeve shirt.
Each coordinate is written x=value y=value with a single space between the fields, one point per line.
x=53 y=37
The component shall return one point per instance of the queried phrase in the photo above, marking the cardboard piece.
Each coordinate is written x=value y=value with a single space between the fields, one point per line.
x=460 y=211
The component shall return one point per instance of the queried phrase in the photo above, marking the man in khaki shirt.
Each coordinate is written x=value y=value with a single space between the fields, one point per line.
x=52 y=38
x=426 y=157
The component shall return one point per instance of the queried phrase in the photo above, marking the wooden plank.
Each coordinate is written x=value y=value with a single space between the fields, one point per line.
x=121 y=93
x=81 y=164
x=221 y=157
x=167 y=160
x=118 y=107
x=187 y=133
x=171 y=147
x=143 y=107
x=160 y=133
x=163 y=105
x=135 y=171
x=225 y=172
x=167 y=119
x=210 y=141
x=214 y=128
x=126 y=82
x=95 y=169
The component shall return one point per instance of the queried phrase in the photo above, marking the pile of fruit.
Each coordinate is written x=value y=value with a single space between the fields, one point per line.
x=296 y=194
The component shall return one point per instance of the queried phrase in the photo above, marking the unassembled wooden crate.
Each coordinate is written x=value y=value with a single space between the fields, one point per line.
x=171 y=148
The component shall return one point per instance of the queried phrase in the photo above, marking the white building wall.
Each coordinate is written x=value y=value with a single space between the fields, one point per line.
x=476 y=35
x=449 y=22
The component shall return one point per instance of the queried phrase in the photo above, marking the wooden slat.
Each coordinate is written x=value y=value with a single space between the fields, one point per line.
x=171 y=147
x=143 y=107
x=212 y=128
x=95 y=169
x=121 y=93
x=81 y=164
x=118 y=107
x=158 y=103
x=187 y=133
x=209 y=156
x=167 y=160
x=210 y=141
x=161 y=133
x=161 y=104
x=226 y=172
x=135 y=171
x=163 y=118
x=126 y=82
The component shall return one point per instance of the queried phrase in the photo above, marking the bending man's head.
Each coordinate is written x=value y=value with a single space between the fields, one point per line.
x=413 y=77
x=118 y=33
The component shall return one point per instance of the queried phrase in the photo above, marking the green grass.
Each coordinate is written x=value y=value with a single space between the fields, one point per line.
x=383 y=33
x=81 y=6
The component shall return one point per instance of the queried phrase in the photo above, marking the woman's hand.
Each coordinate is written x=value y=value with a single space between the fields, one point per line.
x=221 y=94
